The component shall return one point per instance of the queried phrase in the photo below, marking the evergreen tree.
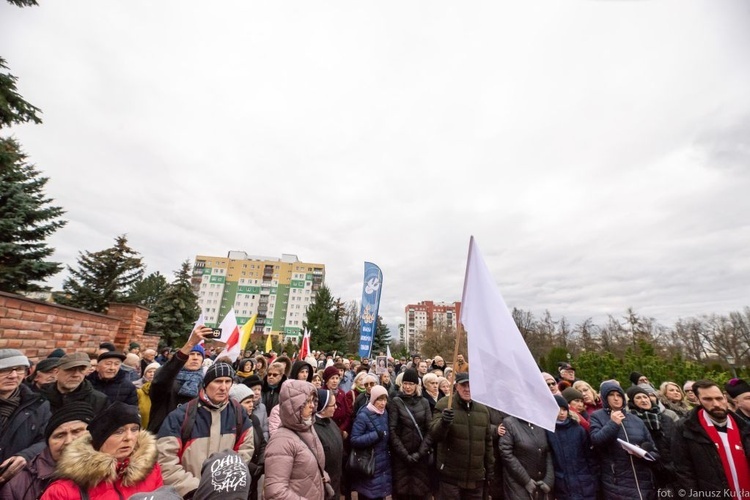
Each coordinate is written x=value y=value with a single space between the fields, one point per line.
x=177 y=309
x=382 y=337
x=26 y=220
x=13 y=108
x=103 y=277
x=323 y=323
x=148 y=291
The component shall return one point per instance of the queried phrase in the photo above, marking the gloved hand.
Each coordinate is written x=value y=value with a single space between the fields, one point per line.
x=413 y=458
x=382 y=434
x=448 y=415
x=543 y=486
x=531 y=487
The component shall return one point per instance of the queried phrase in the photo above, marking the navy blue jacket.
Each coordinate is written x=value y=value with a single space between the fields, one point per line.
x=618 y=480
x=365 y=433
x=576 y=471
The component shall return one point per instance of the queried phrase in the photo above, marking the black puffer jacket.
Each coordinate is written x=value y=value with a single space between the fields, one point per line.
x=696 y=461
x=269 y=396
x=526 y=456
x=464 y=451
x=409 y=479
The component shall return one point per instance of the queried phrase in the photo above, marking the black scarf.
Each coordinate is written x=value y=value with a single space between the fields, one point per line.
x=650 y=418
x=8 y=406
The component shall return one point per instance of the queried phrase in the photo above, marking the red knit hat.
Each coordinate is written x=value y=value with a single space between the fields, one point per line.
x=329 y=372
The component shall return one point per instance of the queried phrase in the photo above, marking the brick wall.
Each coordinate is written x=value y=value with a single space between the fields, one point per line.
x=37 y=328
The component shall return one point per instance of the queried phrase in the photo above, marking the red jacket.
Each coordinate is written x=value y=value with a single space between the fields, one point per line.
x=95 y=471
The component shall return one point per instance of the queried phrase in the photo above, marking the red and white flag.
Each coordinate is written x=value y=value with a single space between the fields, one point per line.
x=304 y=349
x=230 y=335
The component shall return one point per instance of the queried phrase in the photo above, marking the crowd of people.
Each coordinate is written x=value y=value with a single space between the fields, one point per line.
x=191 y=423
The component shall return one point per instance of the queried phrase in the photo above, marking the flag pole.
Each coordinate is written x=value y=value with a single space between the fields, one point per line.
x=455 y=362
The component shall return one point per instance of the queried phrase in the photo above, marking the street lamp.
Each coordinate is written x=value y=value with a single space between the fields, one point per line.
x=730 y=360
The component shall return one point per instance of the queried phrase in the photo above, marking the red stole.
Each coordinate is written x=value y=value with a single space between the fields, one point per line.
x=741 y=466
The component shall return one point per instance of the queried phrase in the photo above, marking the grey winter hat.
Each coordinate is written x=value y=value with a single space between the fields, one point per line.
x=224 y=476
x=240 y=392
x=12 y=357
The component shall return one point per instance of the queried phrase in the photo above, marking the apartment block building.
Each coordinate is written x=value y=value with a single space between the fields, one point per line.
x=428 y=314
x=279 y=290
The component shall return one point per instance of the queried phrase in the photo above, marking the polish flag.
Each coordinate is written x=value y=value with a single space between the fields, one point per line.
x=230 y=335
x=304 y=350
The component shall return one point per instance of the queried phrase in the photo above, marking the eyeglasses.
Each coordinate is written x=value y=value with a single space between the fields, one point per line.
x=21 y=370
x=369 y=384
x=274 y=374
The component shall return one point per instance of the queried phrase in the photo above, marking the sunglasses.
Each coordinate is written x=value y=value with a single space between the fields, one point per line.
x=369 y=384
x=550 y=384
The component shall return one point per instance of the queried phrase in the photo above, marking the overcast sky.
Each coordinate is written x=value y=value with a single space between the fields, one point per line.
x=599 y=151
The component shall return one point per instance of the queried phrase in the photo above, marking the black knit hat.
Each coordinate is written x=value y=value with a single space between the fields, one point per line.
x=68 y=413
x=252 y=381
x=217 y=370
x=736 y=386
x=410 y=375
x=110 y=419
x=561 y=401
x=632 y=392
x=634 y=376
x=57 y=353
x=224 y=476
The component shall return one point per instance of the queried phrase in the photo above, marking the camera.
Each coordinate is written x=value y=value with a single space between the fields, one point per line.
x=215 y=333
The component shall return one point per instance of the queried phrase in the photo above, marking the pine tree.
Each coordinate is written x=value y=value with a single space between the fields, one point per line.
x=323 y=323
x=103 y=277
x=26 y=220
x=13 y=108
x=148 y=291
x=175 y=312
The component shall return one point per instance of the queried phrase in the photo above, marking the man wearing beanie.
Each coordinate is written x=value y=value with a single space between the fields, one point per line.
x=212 y=421
x=179 y=379
x=23 y=416
x=65 y=426
x=465 y=459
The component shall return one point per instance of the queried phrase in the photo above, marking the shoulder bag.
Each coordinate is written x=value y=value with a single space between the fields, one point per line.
x=430 y=455
x=361 y=461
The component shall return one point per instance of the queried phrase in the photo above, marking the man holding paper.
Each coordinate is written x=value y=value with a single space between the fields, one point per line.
x=623 y=475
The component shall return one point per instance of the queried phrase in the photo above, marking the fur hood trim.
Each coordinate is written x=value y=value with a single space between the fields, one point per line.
x=86 y=467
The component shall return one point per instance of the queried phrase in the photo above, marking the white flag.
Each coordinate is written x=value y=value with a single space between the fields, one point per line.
x=503 y=373
x=388 y=351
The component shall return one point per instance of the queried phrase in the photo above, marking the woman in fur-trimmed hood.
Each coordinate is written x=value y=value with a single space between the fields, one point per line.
x=115 y=460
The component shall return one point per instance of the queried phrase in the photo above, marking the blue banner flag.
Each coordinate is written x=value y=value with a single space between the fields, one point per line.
x=368 y=317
